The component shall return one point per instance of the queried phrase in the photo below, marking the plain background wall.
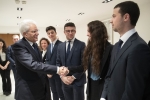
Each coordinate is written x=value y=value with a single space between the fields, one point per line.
x=143 y=27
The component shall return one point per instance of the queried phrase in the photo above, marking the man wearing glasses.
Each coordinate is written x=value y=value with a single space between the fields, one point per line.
x=70 y=54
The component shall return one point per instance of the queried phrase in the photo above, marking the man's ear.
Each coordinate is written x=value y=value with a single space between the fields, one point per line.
x=126 y=17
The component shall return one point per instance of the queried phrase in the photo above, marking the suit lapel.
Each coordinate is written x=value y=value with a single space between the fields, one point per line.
x=105 y=55
x=54 y=48
x=32 y=51
x=63 y=46
x=123 y=49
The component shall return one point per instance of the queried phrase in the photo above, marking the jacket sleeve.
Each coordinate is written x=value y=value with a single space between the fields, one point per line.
x=25 y=59
x=9 y=55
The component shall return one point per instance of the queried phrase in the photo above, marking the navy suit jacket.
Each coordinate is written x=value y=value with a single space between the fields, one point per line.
x=74 y=59
x=31 y=80
x=129 y=75
x=51 y=57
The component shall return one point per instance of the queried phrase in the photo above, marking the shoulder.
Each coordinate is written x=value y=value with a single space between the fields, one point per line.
x=79 y=42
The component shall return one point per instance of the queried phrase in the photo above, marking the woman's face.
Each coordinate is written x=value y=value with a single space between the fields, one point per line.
x=88 y=34
x=1 y=44
x=44 y=44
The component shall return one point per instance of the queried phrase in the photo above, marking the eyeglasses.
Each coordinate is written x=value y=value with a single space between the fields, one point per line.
x=68 y=31
x=36 y=31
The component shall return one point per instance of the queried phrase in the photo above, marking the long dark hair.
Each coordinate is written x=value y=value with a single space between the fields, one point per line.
x=4 y=45
x=95 y=47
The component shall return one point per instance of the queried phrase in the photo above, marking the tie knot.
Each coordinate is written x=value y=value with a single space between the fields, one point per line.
x=120 y=42
x=34 y=45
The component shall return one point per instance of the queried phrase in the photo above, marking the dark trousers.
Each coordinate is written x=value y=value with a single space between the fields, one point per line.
x=73 y=92
x=94 y=89
x=6 y=81
x=56 y=87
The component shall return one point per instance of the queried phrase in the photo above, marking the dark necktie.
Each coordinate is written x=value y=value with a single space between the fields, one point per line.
x=119 y=46
x=35 y=47
x=68 y=49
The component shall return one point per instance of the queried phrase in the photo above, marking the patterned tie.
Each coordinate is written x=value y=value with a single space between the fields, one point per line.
x=68 y=49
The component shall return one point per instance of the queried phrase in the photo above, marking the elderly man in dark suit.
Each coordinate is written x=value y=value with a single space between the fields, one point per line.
x=31 y=79
x=129 y=75
x=70 y=54
x=54 y=79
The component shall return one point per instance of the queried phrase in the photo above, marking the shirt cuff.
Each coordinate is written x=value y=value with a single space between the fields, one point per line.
x=73 y=77
x=57 y=70
x=102 y=99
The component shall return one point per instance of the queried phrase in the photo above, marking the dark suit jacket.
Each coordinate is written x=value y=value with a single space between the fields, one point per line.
x=104 y=67
x=129 y=74
x=74 y=59
x=51 y=57
x=149 y=43
x=32 y=82
x=10 y=57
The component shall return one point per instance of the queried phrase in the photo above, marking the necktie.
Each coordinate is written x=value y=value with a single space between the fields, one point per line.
x=119 y=45
x=68 y=49
x=51 y=47
x=35 y=47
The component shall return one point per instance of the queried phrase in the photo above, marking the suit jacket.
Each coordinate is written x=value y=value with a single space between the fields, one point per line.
x=10 y=57
x=31 y=81
x=105 y=61
x=149 y=43
x=74 y=59
x=129 y=74
x=51 y=57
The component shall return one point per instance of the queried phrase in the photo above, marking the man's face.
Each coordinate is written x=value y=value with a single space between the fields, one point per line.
x=117 y=20
x=51 y=34
x=15 y=39
x=70 y=32
x=32 y=33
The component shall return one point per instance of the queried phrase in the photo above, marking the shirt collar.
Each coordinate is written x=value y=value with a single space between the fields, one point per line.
x=31 y=43
x=126 y=36
x=54 y=41
x=71 y=40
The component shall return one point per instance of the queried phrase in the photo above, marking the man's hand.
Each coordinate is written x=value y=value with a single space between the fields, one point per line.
x=70 y=79
x=63 y=71
x=49 y=75
x=65 y=80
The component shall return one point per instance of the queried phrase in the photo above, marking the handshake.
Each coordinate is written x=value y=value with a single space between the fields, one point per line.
x=63 y=71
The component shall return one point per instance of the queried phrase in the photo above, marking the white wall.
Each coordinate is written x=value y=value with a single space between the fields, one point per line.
x=143 y=27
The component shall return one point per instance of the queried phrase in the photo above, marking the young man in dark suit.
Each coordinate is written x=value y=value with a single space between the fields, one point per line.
x=129 y=75
x=70 y=54
x=54 y=79
x=31 y=79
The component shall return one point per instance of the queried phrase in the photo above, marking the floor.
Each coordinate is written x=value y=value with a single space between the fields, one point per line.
x=10 y=97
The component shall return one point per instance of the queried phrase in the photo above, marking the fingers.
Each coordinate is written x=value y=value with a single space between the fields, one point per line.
x=49 y=75
x=63 y=71
x=65 y=80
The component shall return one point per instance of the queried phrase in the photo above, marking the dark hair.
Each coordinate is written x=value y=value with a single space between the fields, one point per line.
x=131 y=8
x=69 y=24
x=96 y=46
x=45 y=40
x=4 y=45
x=50 y=28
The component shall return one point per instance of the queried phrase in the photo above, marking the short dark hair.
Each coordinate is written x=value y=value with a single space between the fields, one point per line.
x=50 y=28
x=131 y=8
x=69 y=24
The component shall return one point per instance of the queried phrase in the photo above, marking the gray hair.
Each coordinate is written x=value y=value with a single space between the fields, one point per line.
x=25 y=25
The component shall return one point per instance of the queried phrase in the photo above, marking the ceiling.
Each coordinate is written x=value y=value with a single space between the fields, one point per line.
x=56 y=12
